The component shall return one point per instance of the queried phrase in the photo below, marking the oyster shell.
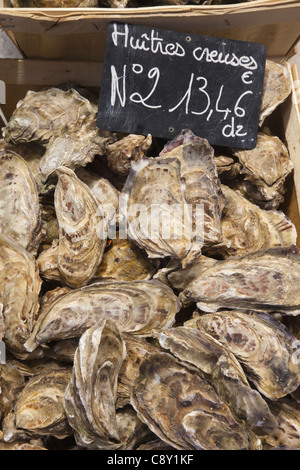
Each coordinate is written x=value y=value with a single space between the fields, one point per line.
x=90 y=397
x=286 y=436
x=180 y=278
x=19 y=294
x=54 y=3
x=137 y=349
x=157 y=216
x=105 y=193
x=248 y=228
x=199 y=173
x=227 y=167
x=131 y=148
x=39 y=407
x=124 y=261
x=183 y=409
x=11 y=383
x=266 y=349
x=49 y=223
x=136 y=307
x=277 y=87
x=82 y=229
x=198 y=348
x=265 y=168
x=20 y=215
x=20 y=445
x=265 y=281
x=62 y=121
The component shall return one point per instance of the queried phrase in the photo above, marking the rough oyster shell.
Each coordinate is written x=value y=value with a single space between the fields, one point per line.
x=248 y=228
x=286 y=436
x=54 y=3
x=267 y=281
x=136 y=307
x=137 y=349
x=82 y=229
x=62 y=121
x=183 y=409
x=124 y=261
x=39 y=407
x=266 y=349
x=199 y=173
x=265 y=169
x=20 y=216
x=131 y=148
x=11 y=383
x=198 y=348
x=49 y=223
x=157 y=213
x=227 y=167
x=19 y=294
x=105 y=193
x=90 y=397
x=277 y=87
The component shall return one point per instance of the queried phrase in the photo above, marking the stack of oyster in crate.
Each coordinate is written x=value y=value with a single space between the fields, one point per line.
x=130 y=319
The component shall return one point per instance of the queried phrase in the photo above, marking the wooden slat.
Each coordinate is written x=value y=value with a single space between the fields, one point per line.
x=50 y=72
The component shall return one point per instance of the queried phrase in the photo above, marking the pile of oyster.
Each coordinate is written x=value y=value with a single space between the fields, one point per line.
x=150 y=290
x=113 y=3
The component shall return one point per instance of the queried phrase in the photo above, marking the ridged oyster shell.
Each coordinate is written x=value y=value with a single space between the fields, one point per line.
x=267 y=281
x=91 y=394
x=20 y=215
x=136 y=307
x=267 y=350
x=39 y=407
x=196 y=347
x=286 y=436
x=62 y=121
x=19 y=294
x=199 y=173
x=277 y=87
x=183 y=409
x=82 y=229
x=265 y=169
x=131 y=148
x=248 y=228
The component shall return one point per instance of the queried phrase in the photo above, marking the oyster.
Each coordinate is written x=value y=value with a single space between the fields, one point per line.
x=19 y=294
x=227 y=167
x=277 y=87
x=157 y=216
x=82 y=229
x=137 y=349
x=183 y=409
x=105 y=193
x=248 y=228
x=265 y=169
x=223 y=370
x=267 y=281
x=54 y=3
x=20 y=445
x=20 y=215
x=131 y=148
x=62 y=121
x=136 y=307
x=286 y=436
x=199 y=173
x=266 y=348
x=90 y=397
x=124 y=261
x=39 y=407
x=180 y=278
x=12 y=382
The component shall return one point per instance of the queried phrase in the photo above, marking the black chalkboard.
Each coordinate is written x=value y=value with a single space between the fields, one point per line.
x=161 y=82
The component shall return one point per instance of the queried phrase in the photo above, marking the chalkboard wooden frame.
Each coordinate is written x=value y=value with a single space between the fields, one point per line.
x=160 y=82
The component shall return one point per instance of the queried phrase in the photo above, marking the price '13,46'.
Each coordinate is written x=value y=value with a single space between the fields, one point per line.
x=196 y=91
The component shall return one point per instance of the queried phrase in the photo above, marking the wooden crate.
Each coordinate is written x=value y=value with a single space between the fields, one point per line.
x=60 y=45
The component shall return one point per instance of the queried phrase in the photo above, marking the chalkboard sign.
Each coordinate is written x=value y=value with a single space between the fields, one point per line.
x=161 y=82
